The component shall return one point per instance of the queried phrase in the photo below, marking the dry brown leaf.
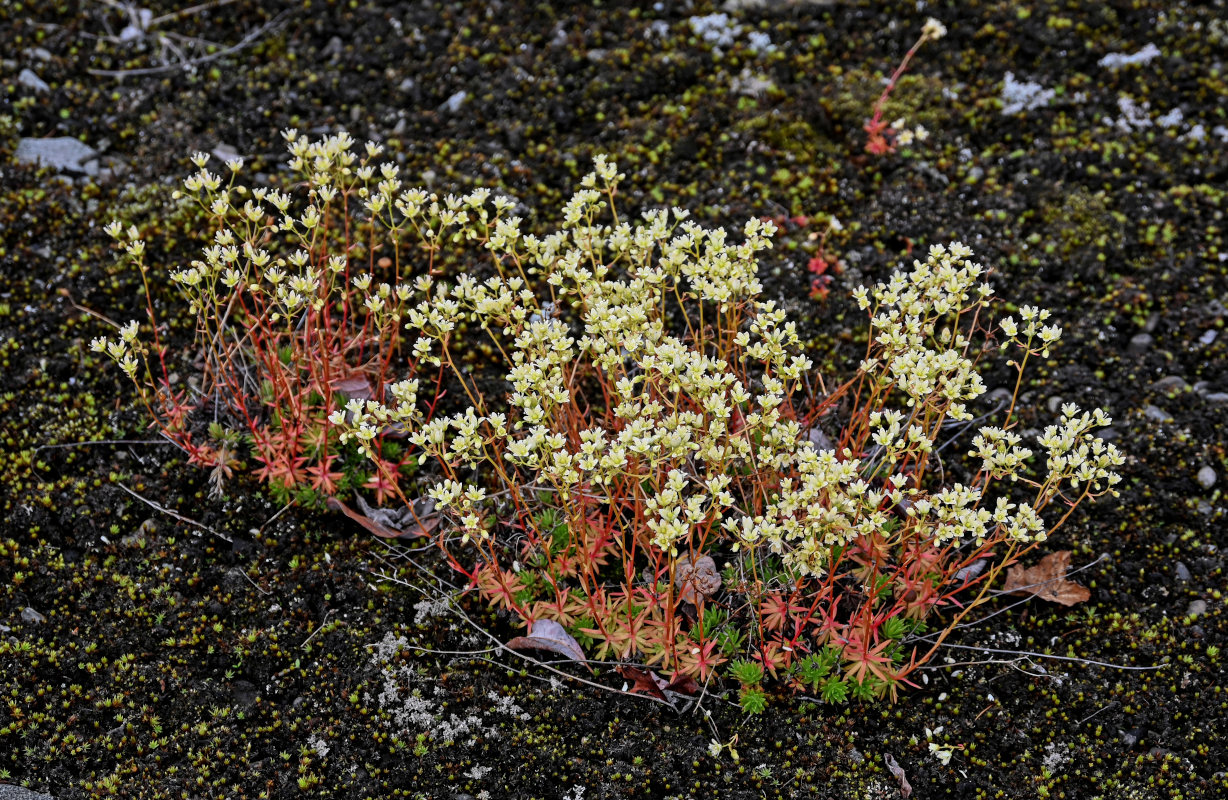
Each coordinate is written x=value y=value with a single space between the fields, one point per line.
x=356 y=386
x=546 y=634
x=643 y=680
x=696 y=582
x=900 y=777
x=386 y=523
x=1047 y=580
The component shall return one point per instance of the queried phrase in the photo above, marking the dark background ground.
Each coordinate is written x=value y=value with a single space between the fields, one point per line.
x=160 y=660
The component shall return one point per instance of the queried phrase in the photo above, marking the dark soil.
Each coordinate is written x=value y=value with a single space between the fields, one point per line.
x=281 y=658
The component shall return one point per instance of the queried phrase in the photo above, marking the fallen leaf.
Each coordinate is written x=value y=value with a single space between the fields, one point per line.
x=697 y=582
x=546 y=634
x=972 y=570
x=898 y=772
x=388 y=523
x=819 y=439
x=643 y=680
x=356 y=387
x=683 y=684
x=1047 y=580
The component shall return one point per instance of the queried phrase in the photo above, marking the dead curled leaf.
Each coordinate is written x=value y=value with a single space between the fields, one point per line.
x=1047 y=580
x=388 y=523
x=546 y=634
x=649 y=682
x=696 y=582
x=898 y=772
x=356 y=386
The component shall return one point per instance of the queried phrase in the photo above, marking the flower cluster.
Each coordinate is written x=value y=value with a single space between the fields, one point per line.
x=692 y=443
x=659 y=414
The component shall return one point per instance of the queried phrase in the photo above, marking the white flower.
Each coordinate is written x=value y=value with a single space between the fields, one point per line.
x=933 y=29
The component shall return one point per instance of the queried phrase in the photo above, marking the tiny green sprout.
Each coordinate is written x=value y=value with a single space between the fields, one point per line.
x=753 y=700
x=895 y=628
x=812 y=669
x=746 y=672
x=834 y=690
x=1212 y=651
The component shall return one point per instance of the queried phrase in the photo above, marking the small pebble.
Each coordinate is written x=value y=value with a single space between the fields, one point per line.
x=1218 y=398
x=1183 y=572
x=1000 y=395
x=29 y=79
x=1196 y=608
x=1157 y=414
x=1055 y=403
x=61 y=153
x=31 y=616
x=1208 y=337
x=1169 y=383
x=1140 y=343
x=1206 y=477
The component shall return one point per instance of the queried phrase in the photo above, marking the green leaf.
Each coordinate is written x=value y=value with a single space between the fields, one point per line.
x=746 y=672
x=835 y=690
x=752 y=700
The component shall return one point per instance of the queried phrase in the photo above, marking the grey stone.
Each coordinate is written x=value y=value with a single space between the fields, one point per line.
x=1140 y=343
x=31 y=616
x=1001 y=395
x=453 y=104
x=1206 y=477
x=1208 y=336
x=1157 y=414
x=1183 y=572
x=9 y=791
x=1218 y=398
x=1054 y=404
x=29 y=79
x=1196 y=608
x=61 y=153
x=1170 y=383
x=225 y=152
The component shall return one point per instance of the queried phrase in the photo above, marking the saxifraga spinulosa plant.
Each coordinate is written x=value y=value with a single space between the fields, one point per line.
x=665 y=475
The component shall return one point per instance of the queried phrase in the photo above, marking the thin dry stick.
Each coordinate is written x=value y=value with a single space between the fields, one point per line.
x=1034 y=654
x=174 y=514
x=245 y=42
x=327 y=614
